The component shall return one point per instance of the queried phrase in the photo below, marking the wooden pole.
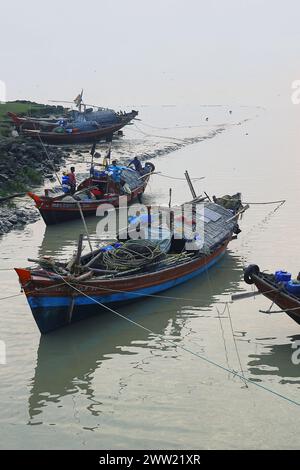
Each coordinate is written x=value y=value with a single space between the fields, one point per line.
x=84 y=224
x=79 y=251
x=187 y=176
x=245 y=295
x=207 y=196
x=170 y=197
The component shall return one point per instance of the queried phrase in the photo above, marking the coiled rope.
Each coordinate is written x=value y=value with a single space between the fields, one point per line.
x=133 y=254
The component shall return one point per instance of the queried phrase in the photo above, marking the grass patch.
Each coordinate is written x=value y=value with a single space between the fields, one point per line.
x=23 y=108
x=22 y=182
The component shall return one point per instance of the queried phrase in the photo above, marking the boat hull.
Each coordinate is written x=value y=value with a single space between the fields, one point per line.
x=55 y=212
x=275 y=291
x=65 y=306
x=60 y=215
x=55 y=138
x=289 y=303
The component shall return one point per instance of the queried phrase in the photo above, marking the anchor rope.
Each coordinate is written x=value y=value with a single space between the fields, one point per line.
x=77 y=202
x=177 y=178
x=190 y=351
x=159 y=136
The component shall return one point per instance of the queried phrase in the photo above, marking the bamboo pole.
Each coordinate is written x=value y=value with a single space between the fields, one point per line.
x=187 y=177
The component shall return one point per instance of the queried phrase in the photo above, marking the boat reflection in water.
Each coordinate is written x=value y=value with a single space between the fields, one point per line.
x=61 y=242
x=277 y=360
x=68 y=358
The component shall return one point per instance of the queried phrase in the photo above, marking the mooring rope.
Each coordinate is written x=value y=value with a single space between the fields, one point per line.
x=173 y=343
x=235 y=343
x=159 y=136
x=280 y=202
x=166 y=297
x=11 y=296
x=177 y=178
x=77 y=202
x=223 y=333
x=204 y=124
x=263 y=221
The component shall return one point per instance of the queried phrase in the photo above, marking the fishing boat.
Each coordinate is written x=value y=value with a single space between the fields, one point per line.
x=87 y=123
x=95 y=341
x=102 y=187
x=80 y=132
x=278 y=287
x=61 y=293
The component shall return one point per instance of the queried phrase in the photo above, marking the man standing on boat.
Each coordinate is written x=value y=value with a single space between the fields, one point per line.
x=72 y=180
x=137 y=165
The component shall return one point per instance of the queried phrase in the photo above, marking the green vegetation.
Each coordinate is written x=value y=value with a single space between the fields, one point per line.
x=21 y=164
x=19 y=107
x=22 y=182
x=22 y=108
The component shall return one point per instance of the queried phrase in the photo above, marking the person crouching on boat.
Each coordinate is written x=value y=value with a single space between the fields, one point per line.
x=72 y=180
x=65 y=182
x=137 y=165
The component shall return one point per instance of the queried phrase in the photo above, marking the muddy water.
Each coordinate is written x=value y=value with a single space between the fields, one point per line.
x=105 y=383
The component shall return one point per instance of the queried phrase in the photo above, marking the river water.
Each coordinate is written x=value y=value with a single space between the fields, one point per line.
x=104 y=382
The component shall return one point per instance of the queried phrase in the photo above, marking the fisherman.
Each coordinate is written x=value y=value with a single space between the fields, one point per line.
x=114 y=171
x=72 y=180
x=137 y=165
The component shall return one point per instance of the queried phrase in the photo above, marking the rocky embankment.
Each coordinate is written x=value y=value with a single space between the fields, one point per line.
x=23 y=166
x=12 y=217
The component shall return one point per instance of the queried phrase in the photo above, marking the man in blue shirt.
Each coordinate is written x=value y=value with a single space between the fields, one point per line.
x=137 y=165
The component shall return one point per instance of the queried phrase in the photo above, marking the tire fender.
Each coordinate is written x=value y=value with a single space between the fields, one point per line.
x=248 y=273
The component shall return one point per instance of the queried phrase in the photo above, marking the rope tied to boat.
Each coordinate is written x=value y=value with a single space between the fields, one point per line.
x=188 y=350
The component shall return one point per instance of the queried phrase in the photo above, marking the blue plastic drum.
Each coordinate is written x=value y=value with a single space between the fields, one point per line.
x=293 y=287
x=282 y=276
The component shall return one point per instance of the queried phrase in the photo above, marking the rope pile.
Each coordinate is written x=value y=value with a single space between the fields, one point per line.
x=132 y=255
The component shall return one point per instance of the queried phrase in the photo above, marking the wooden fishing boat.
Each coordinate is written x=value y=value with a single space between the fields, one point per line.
x=64 y=207
x=74 y=135
x=280 y=289
x=61 y=293
x=96 y=341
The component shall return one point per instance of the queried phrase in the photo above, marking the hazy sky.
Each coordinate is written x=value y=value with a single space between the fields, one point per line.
x=151 y=51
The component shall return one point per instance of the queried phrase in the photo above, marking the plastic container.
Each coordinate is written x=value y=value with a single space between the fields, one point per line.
x=282 y=276
x=293 y=287
x=117 y=245
x=107 y=248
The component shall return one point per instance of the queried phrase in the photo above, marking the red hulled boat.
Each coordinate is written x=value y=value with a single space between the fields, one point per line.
x=77 y=136
x=278 y=287
x=103 y=187
x=61 y=293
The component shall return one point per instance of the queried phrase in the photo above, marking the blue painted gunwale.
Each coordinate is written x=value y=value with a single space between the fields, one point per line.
x=82 y=300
